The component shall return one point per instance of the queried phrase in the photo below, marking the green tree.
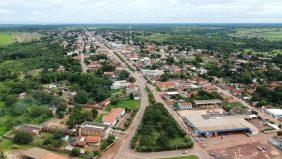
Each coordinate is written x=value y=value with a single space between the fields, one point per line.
x=82 y=97
x=23 y=138
x=75 y=151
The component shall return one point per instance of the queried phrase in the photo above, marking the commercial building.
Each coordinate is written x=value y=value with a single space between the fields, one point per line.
x=206 y=104
x=38 y=153
x=210 y=122
x=94 y=129
x=276 y=113
x=276 y=141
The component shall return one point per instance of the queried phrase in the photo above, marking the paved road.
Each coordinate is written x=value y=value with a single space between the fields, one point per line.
x=125 y=152
x=260 y=113
x=82 y=63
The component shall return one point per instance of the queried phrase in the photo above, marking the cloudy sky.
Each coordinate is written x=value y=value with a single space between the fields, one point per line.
x=139 y=11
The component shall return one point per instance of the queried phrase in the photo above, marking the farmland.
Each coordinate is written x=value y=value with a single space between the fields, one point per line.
x=7 y=38
x=272 y=34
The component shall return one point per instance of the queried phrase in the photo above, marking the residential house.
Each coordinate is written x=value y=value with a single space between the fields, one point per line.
x=29 y=128
x=185 y=105
x=82 y=141
x=119 y=84
x=152 y=73
x=166 y=85
x=112 y=117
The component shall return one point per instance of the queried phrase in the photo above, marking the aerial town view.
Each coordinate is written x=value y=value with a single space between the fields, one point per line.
x=142 y=79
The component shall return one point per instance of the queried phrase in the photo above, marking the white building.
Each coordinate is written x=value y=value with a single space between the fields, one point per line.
x=119 y=84
x=276 y=113
x=152 y=72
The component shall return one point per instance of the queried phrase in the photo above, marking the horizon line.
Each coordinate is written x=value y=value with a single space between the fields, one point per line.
x=111 y=23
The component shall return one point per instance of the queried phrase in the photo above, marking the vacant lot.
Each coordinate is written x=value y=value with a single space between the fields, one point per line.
x=127 y=104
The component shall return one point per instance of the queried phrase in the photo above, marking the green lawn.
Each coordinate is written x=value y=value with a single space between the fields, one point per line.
x=100 y=117
x=183 y=157
x=127 y=104
x=6 y=38
x=6 y=144
x=272 y=34
x=236 y=104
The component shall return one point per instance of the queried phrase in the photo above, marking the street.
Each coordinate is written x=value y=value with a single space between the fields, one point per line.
x=124 y=150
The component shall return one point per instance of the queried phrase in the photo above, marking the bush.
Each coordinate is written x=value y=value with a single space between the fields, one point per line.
x=23 y=138
x=75 y=151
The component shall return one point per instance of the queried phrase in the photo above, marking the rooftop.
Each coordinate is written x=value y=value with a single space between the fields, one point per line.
x=211 y=101
x=94 y=126
x=38 y=153
x=217 y=120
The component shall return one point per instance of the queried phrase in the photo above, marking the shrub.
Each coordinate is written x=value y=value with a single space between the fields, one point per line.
x=23 y=138
x=75 y=151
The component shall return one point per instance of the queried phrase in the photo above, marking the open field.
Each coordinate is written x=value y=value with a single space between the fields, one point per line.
x=232 y=105
x=272 y=34
x=6 y=38
x=6 y=144
x=183 y=157
x=10 y=37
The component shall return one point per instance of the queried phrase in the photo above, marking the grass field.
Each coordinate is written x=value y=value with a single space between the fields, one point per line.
x=127 y=104
x=272 y=34
x=183 y=157
x=7 y=38
x=6 y=144
x=232 y=105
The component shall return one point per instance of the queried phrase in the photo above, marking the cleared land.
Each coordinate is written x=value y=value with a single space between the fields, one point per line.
x=7 y=38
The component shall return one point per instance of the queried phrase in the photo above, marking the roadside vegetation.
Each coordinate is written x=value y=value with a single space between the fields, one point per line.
x=183 y=157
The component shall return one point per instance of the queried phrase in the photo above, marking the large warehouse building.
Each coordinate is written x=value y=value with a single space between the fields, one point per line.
x=207 y=122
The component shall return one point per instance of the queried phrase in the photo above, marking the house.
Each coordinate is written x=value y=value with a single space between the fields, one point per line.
x=166 y=85
x=152 y=73
x=110 y=74
x=93 y=129
x=119 y=84
x=276 y=141
x=112 y=117
x=106 y=102
x=38 y=153
x=29 y=128
x=131 y=89
x=82 y=141
x=185 y=105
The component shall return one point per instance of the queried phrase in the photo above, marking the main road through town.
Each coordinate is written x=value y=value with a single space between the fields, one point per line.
x=124 y=151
